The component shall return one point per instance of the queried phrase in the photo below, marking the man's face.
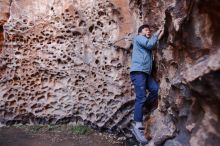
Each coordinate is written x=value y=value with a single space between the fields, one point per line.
x=146 y=31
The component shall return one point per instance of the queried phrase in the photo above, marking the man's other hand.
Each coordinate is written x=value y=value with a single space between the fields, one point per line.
x=161 y=33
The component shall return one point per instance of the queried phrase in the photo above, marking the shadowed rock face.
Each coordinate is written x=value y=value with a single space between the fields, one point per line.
x=188 y=70
x=65 y=61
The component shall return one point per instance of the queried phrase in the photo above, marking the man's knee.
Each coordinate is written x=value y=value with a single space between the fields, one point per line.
x=141 y=100
x=140 y=91
x=154 y=89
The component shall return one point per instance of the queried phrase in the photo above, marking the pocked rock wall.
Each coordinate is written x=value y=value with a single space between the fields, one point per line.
x=59 y=63
x=66 y=61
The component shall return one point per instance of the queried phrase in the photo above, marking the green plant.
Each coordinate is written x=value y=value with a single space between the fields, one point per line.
x=81 y=130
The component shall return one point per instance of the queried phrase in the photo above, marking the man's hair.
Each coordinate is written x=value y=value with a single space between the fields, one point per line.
x=142 y=27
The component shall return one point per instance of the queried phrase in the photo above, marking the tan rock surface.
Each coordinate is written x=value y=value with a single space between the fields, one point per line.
x=57 y=64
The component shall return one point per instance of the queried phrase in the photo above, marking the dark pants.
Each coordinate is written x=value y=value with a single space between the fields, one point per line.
x=141 y=82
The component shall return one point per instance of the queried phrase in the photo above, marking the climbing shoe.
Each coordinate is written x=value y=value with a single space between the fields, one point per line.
x=139 y=134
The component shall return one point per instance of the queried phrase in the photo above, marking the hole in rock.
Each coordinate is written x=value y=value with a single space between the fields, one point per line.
x=41 y=97
x=68 y=31
x=10 y=96
x=100 y=13
x=96 y=61
x=99 y=23
x=82 y=23
x=91 y=28
x=76 y=33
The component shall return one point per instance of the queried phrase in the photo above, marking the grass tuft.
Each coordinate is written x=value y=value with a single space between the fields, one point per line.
x=81 y=130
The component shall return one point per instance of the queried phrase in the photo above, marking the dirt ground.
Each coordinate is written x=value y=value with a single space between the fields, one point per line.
x=23 y=136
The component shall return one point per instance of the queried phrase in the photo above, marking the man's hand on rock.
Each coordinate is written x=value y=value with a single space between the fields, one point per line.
x=160 y=32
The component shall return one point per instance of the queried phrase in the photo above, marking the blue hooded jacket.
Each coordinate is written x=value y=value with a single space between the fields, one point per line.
x=142 y=53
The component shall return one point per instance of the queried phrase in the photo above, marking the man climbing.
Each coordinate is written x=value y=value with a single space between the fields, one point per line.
x=140 y=72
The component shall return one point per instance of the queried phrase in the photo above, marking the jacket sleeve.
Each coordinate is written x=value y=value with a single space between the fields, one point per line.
x=147 y=43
